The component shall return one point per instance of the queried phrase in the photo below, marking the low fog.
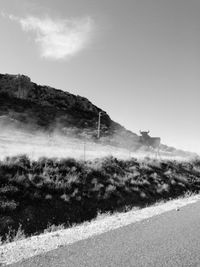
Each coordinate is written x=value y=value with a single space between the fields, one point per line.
x=36 y=144
x=14 y=142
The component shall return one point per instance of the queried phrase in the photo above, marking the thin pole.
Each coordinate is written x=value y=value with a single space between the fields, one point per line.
x=99 y=125
x=84 y=151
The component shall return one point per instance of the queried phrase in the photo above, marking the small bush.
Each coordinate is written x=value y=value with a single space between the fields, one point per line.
x=9 y=189
x=53 y=228
x=8 y=205
x=14 y=235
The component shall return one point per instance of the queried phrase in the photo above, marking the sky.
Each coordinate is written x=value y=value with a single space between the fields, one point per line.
x=139 y=60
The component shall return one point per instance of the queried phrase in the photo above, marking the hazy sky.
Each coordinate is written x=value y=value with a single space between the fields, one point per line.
x=137 y=59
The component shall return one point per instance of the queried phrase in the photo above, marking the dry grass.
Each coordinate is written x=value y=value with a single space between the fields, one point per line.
x=13 y=236
x=51 y=193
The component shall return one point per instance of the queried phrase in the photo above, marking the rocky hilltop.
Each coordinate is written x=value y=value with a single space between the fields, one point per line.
x=20 y=86
x=37 y=107
x=32 y=107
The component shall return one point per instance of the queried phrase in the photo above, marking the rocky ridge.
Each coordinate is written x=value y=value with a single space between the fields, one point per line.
x=42 y=107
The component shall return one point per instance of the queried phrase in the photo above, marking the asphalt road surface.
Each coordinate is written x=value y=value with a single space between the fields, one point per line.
x=170 y=239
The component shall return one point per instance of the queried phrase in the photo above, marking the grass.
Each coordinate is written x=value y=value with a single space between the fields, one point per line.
x=13 y=235
x=53 y=228
x=51 y=194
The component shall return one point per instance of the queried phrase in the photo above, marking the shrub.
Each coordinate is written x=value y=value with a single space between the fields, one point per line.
x=14 y=235
x=53 y=228
x=8 y=189
x=8 y=205
x=21 y=161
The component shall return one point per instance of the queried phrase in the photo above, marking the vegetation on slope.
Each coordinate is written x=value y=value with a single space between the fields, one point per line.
x=35 y=194
x=44 y=108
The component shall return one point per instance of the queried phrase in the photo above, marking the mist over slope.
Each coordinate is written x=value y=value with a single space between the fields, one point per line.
x=33 y=107
x=30 y=114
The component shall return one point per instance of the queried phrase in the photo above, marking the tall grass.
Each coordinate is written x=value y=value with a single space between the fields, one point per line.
x=36 y=194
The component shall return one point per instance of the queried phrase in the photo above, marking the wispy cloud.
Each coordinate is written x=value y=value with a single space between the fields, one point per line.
x=58 y=38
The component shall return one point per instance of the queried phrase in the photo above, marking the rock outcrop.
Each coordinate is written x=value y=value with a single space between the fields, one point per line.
x=20 y=86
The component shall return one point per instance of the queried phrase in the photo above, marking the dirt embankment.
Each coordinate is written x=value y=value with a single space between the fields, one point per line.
x=35 y=194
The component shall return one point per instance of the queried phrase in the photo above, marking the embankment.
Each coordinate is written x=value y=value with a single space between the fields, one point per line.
x=35 y=194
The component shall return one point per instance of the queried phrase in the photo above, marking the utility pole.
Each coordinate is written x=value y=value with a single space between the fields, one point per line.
x=84 y=151
x=84 y=135
x=99 y=125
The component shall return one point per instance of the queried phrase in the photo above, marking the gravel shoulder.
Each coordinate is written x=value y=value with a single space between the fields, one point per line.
x=36 y=245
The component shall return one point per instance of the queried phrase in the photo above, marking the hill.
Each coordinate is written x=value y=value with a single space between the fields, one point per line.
x=30 y=106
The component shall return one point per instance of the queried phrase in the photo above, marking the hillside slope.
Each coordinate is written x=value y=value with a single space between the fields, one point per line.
x=30 y=106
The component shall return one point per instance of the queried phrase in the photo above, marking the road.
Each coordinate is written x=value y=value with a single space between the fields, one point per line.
x=170 y=239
